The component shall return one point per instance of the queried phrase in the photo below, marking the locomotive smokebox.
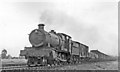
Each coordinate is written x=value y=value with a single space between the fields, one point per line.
x=41 y=26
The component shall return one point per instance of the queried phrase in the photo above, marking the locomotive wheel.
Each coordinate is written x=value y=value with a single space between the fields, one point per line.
x=71 y=60
x=29 y=62
x=77 y=60
x=64 y=63
x=39 y=62
x=50 y=62
x=44 y=61
x=55 y=62
x=32 y=61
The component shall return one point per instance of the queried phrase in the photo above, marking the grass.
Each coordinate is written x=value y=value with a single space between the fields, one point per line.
x=13 y=61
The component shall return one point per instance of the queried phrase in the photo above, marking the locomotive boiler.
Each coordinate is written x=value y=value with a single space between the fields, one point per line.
x=40 y=37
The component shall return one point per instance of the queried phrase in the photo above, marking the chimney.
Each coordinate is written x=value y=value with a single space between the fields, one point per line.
x=41 y=26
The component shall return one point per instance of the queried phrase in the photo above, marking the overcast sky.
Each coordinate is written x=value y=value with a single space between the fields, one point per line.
x=94 y=23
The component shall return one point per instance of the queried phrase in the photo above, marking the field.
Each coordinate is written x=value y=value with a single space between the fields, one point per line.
x=13 y=61
x=110 y=65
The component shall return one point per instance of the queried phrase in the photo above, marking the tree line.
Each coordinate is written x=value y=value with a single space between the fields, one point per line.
x=5 y=56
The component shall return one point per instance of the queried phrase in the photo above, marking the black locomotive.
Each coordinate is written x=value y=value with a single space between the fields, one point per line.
x=51 y=48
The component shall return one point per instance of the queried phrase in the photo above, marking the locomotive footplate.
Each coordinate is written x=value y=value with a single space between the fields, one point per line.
x=36 y=52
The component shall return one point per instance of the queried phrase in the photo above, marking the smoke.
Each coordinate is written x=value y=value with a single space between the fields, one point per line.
x=89 y=35
x=55 y=18
x=67 y=24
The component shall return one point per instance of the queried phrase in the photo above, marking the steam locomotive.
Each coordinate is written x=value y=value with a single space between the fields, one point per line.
x=51 y=48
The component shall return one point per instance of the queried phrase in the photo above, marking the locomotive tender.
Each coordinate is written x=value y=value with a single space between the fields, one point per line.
x=53 y=48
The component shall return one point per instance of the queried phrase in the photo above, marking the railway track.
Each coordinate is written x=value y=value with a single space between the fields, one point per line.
x=13 y=67
x=25 y=67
